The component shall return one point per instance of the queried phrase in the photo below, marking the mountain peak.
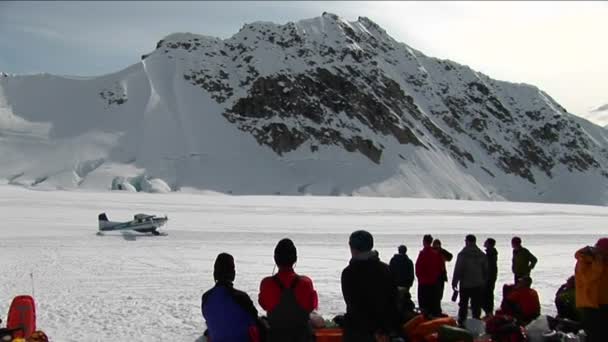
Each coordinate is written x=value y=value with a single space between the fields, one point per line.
x=317 y=106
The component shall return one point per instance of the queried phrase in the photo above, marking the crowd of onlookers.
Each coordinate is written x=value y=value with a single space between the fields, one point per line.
x=377 y=295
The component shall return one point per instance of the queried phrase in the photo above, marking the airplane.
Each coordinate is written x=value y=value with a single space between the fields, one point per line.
x=141 y=223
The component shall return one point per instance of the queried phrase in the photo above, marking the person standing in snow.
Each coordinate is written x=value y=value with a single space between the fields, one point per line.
x=429 y=271
x=447 y=257
x=229 y=313
x=591 y=289
x=369 y=293
x=470 y=278
x=523 y=260
x=402 y=269
x=288 y=298
x=492 y=255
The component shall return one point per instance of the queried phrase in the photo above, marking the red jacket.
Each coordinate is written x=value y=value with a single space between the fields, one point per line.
x=429 y=266
x=522 y=303
x=270 y=293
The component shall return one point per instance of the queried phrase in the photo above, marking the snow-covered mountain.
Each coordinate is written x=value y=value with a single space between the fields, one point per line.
x=321 y=106
x=598 y=115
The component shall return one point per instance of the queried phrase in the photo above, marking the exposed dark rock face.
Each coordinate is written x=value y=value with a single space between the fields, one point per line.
x=114 y=96
x=352 y=85
x=313 y=102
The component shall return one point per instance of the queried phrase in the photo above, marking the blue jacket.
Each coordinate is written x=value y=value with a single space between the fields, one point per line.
x=229 y=313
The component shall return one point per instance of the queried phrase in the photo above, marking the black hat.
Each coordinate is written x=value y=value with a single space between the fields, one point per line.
x=223 y=269
x=361 y=240
x=285 y=253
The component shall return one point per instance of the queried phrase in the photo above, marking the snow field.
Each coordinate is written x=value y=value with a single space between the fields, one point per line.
x=139 y=288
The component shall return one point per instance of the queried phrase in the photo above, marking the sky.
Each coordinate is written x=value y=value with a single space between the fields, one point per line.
x=560 y=47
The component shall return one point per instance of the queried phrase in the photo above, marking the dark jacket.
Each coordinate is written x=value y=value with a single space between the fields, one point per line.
x=492 y=255
x=447 y=257
x=370 y=296
x=565 y=302
x=471 y=268
x=402 y=269
x=523 y=262
x=229 y=313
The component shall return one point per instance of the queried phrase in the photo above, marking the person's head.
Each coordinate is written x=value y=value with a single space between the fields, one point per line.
x=360 y=241
x=470 y=240
x=402 y=249
x=427 y=240
x=524 y=282
x=223 y=268
x=571 y=282
x=516 y=242
x=437 y=244
x=490 y=243
x=285 y=253
x=602 y=246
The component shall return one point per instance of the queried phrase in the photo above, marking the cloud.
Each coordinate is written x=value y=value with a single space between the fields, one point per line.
x=557 y=46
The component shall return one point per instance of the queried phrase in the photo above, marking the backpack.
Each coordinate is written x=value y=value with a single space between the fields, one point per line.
x=22 y=316
x=288 y=321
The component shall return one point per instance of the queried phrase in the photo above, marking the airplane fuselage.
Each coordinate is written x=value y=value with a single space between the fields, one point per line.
x=141 y=224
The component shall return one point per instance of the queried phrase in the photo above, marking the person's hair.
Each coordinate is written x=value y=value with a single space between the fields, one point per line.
x=516 y=240
x=427 y=239
x=361 y=240
x=525 y=281
x=602 y=245
x=223 y=268
x=491 y=242
x=437 y=241
x=470 y=238
x=402 y=249
x=285 y=253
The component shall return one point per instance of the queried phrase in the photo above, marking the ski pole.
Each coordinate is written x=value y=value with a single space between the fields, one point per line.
x=32 y=278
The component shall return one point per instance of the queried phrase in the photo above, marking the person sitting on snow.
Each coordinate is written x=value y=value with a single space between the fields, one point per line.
x=229 y=313
x=521 y=301
x=288 y=298
x=592 y=289
x=565 y=301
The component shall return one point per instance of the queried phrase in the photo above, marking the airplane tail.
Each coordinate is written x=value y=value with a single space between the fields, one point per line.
x=103 y=221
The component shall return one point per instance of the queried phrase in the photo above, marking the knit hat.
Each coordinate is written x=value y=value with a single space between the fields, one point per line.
x=285 y=253
x=361 y=240
x=223 y=269
x=602 y=245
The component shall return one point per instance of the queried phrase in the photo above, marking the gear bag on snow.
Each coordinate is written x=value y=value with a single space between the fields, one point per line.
x=22 y=316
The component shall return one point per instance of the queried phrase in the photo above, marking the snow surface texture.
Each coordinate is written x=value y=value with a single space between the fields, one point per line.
x=320 y=106
x=140 y=288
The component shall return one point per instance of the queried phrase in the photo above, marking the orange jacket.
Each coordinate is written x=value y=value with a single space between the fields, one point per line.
x=591 y=275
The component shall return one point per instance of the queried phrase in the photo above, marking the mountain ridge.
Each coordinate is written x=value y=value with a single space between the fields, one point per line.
x=319 y=106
